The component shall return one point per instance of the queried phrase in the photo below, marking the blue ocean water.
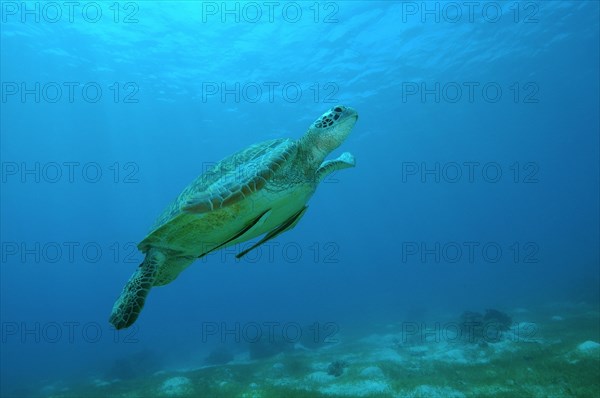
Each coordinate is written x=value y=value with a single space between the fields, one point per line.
x=476 y=183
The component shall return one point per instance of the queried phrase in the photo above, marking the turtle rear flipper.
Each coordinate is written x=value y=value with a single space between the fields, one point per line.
x=128 y=306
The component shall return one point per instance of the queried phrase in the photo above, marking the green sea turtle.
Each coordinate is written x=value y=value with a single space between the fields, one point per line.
x=260 y=190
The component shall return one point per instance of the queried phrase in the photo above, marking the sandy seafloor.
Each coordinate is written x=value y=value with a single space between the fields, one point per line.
x=548 y=352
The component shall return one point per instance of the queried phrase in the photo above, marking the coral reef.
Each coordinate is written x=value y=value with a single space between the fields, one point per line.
x=499 y=319
x=176 y=386
x=535 y=357
x=336 y=368
x=483 y=328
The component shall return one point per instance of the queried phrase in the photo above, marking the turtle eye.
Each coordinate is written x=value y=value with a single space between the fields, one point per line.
x=337 y=109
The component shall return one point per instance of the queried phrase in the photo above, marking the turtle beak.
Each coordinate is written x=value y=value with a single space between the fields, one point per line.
x=346 y=121
x=350 y=112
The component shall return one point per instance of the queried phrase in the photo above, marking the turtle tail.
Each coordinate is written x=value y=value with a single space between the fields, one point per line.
x=128 y=306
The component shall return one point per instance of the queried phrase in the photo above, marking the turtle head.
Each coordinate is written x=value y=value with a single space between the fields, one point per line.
x=330 y=130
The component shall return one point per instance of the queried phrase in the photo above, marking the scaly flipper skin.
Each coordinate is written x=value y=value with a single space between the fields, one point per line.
x=128 y=306
x=344 y=161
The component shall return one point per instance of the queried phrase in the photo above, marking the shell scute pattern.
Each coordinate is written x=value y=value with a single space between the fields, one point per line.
x=231 y=180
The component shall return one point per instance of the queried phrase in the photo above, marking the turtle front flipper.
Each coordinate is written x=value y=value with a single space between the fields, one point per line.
x=344 y=161
x=128 y=306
